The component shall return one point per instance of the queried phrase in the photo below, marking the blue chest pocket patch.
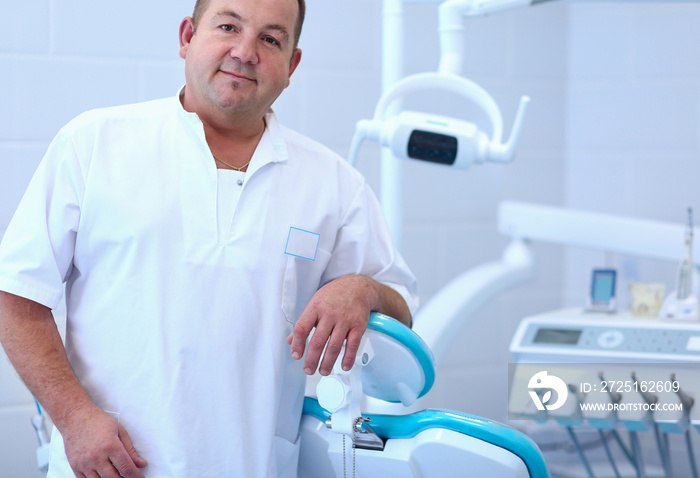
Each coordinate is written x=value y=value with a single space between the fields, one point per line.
x=301 y=243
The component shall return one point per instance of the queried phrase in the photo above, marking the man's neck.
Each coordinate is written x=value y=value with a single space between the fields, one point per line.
x=233 y=149
x=232 y=137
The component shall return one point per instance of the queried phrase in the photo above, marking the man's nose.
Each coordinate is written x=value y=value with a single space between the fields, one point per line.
x=245 y=49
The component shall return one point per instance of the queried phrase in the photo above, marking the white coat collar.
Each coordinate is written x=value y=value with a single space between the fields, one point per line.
x=271 y=149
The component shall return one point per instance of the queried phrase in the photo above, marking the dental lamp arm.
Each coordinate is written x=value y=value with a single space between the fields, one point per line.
x=444 y=82
x=504 y=153
x=451 y=26
x=365 y=129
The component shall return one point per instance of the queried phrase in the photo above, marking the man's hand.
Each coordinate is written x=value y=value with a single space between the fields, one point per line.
x=97 y=445
x=340 y=312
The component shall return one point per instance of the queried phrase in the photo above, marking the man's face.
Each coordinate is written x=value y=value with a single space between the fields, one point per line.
x=241 y=56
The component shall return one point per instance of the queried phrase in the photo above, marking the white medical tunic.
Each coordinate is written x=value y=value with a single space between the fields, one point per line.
x=178 y=305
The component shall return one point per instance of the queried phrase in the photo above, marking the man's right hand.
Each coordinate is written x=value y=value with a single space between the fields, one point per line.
x=98 y=446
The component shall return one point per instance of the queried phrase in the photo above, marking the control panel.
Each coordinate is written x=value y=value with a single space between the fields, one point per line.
x=588 y=336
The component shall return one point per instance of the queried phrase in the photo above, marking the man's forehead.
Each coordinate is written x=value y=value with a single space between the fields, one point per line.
x=274 y=12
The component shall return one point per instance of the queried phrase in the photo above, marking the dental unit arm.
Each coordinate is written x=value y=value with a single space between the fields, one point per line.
x=441 y=320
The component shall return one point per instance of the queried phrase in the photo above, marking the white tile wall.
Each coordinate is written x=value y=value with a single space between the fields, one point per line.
x=17 y=163
x=329 y=112
x=613 y=126
x=346 y=44
x=600 y=43
x=159 y=79
x=48 y=91
x=27 y=26
x=18 y=442
x=665 y=41
x=537 y=48
x=632 y=116
x=127 y=29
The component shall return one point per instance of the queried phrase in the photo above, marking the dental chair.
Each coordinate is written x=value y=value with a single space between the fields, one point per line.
x=351 y=427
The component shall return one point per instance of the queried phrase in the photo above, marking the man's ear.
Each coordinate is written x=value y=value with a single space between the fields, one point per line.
x=296 y=58
x=186 y=33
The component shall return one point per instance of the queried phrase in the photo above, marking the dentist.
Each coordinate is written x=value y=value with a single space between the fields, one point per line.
x=199 y=242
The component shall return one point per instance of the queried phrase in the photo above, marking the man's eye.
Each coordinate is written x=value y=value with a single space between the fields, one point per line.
x=271 y=40
x=227 y=28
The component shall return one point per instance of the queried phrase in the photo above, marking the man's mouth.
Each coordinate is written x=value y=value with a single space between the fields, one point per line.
x=237 y=76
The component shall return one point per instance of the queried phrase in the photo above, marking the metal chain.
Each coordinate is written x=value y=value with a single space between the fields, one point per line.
x=344 y=465
x=354 y=439
x=354 y=448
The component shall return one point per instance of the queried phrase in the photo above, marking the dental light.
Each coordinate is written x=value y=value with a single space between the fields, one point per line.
x=440 y=139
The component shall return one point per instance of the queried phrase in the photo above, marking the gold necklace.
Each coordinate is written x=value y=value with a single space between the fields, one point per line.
x=246 y=164
x=233 y=167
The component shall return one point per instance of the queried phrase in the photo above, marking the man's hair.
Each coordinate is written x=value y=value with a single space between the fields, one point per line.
x=201 y=5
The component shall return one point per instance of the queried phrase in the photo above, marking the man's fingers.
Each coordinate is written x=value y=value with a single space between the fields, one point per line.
x=351 y=347
x=105 y=470
x=339 y=312
x=125 y=465
x=333 y=349
x=134 y=456
x=315 y=348
x=297 y=339
x=97 y=446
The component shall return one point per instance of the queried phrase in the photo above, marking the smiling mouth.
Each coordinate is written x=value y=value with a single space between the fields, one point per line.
x=237 y=76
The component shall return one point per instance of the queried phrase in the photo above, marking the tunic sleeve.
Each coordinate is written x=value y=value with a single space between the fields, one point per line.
x=363 y=246
x=36 y=253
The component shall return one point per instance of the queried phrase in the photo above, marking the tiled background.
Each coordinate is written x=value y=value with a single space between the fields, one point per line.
x=613 y=126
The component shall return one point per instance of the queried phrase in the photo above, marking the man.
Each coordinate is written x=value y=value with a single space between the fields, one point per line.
x=200 y=242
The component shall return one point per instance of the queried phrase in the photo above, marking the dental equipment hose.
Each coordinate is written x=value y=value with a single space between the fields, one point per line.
x=581 y=455
x=691 y=456
x=608 y=453
x=662 y=445
x=623 y=447
x=637 y=453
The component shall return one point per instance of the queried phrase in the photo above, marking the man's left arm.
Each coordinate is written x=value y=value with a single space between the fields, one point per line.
x=339 y=312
